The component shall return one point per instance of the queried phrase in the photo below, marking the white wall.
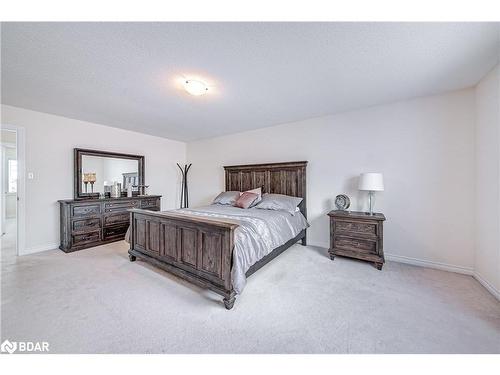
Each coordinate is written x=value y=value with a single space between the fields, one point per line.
x=49 y=155
x=424 y=147
x=487 y=257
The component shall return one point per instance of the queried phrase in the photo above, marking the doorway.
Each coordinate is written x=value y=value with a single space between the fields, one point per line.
x=9 y=191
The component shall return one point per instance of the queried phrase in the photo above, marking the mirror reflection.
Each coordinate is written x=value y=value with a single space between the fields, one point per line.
x=99 y=174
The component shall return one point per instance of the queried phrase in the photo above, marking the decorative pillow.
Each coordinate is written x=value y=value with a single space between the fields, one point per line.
x=227 y=198
x=257 y=191
x=246 y=199
x=279 y=202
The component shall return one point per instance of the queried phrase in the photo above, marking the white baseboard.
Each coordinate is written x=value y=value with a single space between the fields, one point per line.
x=40 y=248
x=430 y=264
x=318 y=244
x=414 y=261
x=490 y=288
x=446 y=267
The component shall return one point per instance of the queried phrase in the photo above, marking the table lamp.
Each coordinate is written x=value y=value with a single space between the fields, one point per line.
x=371 y=182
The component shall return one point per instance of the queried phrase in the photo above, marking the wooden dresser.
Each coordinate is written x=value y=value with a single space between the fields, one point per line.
x=86 y=223
x=357 y=235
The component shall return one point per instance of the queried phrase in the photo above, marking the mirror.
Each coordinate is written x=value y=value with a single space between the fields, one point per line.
x=100 y=173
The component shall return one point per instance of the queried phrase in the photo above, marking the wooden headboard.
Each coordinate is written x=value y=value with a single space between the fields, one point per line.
x=278 y=178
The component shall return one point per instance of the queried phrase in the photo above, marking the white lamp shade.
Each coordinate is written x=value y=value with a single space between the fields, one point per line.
x=371 y=182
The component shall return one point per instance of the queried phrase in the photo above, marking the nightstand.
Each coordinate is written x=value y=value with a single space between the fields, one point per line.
x=357 y=235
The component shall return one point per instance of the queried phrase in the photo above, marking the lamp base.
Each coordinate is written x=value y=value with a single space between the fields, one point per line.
x=370 y=201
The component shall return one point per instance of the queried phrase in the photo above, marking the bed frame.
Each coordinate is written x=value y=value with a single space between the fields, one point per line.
x=199 y=249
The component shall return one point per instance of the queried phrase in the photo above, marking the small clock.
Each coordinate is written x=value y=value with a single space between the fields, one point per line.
x=342 y=202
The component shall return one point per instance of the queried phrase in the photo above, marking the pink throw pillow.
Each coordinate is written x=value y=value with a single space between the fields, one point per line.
x=257 y=191
x=246 y=199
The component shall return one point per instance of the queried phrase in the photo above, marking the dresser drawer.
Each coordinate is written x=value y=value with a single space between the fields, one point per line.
x=356 y=244
x=85 y=209
x=120 y=206
x=86 y=225
x=149 y=203
x=115 y=232
x=113 y=219
x=79 y=239
x=362 y=228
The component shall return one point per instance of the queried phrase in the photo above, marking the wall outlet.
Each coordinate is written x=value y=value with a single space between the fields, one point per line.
x=31 y=176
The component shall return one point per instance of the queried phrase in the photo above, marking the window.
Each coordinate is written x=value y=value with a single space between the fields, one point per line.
x=12 y=178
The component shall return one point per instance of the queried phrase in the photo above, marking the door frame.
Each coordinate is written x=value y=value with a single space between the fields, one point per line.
x=21 y=186
x=5 y=193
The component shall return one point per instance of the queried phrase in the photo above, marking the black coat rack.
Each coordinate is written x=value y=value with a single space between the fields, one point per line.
x=184 y=185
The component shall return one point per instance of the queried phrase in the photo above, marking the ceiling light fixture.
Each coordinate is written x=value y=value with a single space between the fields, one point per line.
x=195 y=87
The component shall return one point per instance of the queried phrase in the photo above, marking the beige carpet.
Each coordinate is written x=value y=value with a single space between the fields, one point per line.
x=96 y=301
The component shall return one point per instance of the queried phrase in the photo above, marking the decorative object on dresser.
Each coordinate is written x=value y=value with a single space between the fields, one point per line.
x=371 y=182
x=92 y=179
x=184 y=185
x=116 y=190
x=357 y=235
x=92 y=222
x=89 y=177
x=143 y=189
x=342 y=202
x=130 y=179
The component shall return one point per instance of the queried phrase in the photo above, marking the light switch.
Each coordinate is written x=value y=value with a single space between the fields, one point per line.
x=30 y=176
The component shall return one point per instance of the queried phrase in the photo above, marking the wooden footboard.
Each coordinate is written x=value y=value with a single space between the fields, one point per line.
x=193 y=248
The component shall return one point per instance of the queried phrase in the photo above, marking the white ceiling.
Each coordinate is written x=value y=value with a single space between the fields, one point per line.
x=261 y=74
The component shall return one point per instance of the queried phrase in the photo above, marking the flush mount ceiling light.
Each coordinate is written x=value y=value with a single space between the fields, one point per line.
x=195 y=87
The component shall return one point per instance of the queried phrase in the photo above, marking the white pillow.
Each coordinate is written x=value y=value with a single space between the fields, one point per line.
x=227 y=198
x=280 y=202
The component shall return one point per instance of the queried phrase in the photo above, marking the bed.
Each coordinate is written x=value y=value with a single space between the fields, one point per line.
x=218 y=247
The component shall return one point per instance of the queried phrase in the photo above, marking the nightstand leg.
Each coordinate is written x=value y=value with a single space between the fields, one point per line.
x=332 y=256
x=379 y=266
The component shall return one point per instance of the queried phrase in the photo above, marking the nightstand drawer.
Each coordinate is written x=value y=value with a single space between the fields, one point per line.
x=355 y=244
x=362 y=228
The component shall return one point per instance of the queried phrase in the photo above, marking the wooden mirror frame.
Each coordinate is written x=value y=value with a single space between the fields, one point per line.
x=79 y=152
